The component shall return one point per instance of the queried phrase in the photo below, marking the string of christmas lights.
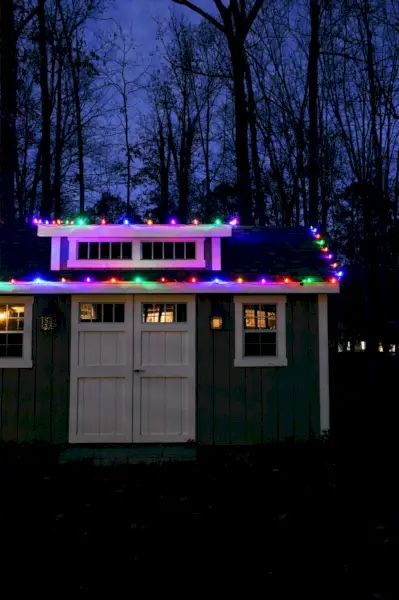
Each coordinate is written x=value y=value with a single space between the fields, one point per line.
x=191 y=279
x=81 y=221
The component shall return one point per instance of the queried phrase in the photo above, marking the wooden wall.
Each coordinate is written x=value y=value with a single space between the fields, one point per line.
x=235 y=405
x=34 y=402
x=239 y=405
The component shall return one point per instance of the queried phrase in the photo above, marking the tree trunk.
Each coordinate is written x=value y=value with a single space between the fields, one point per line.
x=58 y=143
x=241 y=130
x=260 y=215
x=8 y=111
x=128 y=152
x=314 y=51
x=46 y=203
x=164 y=159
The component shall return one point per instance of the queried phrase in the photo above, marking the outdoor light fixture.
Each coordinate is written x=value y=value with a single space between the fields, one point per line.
x=216 y=322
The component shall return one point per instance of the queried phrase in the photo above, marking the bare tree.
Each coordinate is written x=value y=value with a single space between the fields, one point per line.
x=236 y=22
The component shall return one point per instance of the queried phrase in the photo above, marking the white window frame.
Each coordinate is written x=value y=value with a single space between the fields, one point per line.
x=280 y=360
x=25 y=362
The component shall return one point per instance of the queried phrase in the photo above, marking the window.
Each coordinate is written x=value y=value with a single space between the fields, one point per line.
x=260 y=331
x=164 y=313
x=168 y=251
x=106 y=312
x=104 y=250
x=16 y=332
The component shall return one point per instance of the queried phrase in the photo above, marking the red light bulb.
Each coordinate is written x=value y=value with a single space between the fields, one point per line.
x=286 y=280
x=193 y=280
x=163 y=279
x=103 y=221
x=195 y=222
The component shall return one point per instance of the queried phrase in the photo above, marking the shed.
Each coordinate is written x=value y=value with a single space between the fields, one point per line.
x=126 y=334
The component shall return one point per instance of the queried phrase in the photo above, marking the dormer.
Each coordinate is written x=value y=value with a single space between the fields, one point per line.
x=135 y=246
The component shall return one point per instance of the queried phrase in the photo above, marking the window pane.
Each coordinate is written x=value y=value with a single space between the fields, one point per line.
x=127 y=250
x=93 y=250
x=3 y=339
x=14 y=350
x=115 y=250
x=119 y=313
x=249 y=316
x=3 y=317
x=168 y=313
x=158 y=250
x=83 y=250
x=3 y=351
x=168 y=250
x=85 y=312
x=181 y=313
x=190 y=250
x=108 y=313
x=15 y=324
x=179 y=250
x=104 y=250
x=260 y=344
x=146 y=250
x=151 y=313
x=97 y=315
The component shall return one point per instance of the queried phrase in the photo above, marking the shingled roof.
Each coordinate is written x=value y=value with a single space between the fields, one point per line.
x=251 y=252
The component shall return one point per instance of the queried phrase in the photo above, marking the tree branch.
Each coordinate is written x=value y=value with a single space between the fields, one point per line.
x=201 y=12
x=252 y=16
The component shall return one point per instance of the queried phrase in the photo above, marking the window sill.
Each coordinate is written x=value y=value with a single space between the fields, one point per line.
x=15 y=363
x=272 y=361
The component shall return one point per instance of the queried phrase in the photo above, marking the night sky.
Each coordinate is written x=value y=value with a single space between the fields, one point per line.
x=141 y=14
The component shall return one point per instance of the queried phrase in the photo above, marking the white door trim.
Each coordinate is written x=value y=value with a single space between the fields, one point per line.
x=124 y=371
x=168 y=370
x=323 y=364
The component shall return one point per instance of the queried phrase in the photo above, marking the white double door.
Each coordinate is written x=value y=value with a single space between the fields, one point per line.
x=132 y=369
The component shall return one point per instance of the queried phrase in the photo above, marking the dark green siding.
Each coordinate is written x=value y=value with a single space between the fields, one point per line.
x=239 y=405
x=34 y=402
x=235 y=405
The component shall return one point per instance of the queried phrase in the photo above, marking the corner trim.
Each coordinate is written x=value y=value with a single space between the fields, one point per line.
x=323 y=364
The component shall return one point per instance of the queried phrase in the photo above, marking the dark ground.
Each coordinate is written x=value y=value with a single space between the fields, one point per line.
x=302 y=522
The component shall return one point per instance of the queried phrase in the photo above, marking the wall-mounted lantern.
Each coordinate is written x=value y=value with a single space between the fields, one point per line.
x=218 y=316
x=216 y=322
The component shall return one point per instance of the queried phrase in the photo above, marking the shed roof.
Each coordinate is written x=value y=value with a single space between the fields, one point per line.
x=251 y=252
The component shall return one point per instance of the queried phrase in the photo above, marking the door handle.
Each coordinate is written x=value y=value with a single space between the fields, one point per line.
x=139 y=370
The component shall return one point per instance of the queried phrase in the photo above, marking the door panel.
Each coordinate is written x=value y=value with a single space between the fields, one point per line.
x=164 y=374
x=101 y=372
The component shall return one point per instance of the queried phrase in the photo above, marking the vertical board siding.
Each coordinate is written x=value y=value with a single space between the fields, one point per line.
x=252 y=405
x=34 y=402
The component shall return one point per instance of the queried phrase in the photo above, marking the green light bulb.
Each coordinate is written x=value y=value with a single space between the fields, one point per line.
x=81 y=222
x=137 y=280
x=218 y=222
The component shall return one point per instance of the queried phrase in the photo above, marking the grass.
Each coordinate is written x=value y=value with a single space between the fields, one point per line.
x=298 y=522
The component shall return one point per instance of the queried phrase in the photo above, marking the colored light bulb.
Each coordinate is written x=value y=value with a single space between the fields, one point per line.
x=37 y=280
x=88 y=280
x=333 y=280
x=193 y=280
x=240 y=280
x=318 y=236
x=39 y=221
x=218 y=222
x=150 y=222
x=103 y=221
x=72 y=222
x=113 y=280
x=46 y=222
x=195 y=222
x=126 y=222
x=216 y=280
x=286 y=279
x=340 y=273
x=137 y=280
x=233 y=221
x=63 y=280
x=263 y=280
x=12 y=280
x=173 y=221
x=58 y=221
x=163 y=279
x=35 y=221
x=81 y=222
